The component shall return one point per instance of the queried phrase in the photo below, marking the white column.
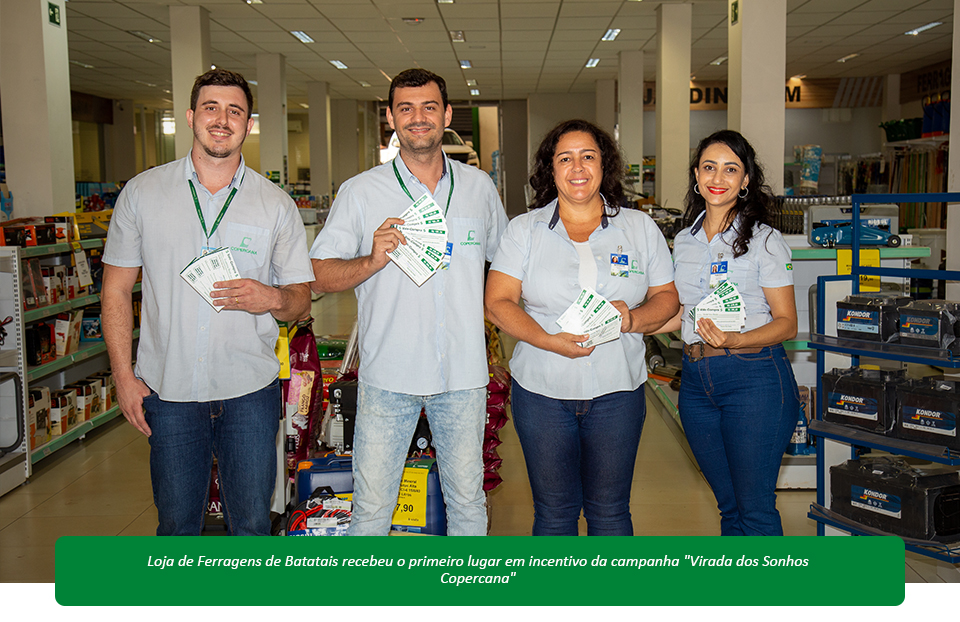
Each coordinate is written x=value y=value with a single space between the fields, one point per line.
x=758 y=56
x=606 y=92
x=630 y=118
x=189 y=58
x=673 y=102
x=272 y=106
x=891 y=98
x=953 y=166
x=318 y=97
x=37 y=123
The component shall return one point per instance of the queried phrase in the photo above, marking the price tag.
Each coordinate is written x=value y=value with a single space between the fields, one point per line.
x=869 y=257
x=83 y=268
x=412 y=502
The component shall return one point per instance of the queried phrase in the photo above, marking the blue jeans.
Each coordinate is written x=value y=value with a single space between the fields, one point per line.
x=241 y=433
x=385 y=425
x=580 y=454
x=738 y=412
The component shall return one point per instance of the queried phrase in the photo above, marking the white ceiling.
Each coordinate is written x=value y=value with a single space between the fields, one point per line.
x=516 y=47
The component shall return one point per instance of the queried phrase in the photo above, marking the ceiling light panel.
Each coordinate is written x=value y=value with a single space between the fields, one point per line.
x=593 y=62
x=610 y=35
x=302 y=36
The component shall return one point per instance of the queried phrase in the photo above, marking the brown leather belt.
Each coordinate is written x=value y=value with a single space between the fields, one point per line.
x=699 y=351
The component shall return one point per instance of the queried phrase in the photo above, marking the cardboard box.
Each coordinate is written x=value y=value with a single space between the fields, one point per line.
x=53 y=285
x=38 y=417
x=108 y=389
x=93 y=224
x=67 y=332
x=34 y=291
x=27 y=232
x=63 y=411
x=88 y=399
x=90 y=328
x=40 y=344
x=96 y=386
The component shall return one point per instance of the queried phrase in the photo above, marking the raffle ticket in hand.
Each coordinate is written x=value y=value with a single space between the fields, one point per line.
x=425 y=230
x=591 y=314
x=204 y=271
x=724 y=306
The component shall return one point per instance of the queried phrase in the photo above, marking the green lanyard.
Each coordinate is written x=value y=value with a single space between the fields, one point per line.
x=216 y=223
x=404 y=186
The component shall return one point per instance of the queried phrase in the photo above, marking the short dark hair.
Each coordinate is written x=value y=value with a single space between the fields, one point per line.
x=758 y=206
x=221 y=77
x=415 y=78
x=541 y=180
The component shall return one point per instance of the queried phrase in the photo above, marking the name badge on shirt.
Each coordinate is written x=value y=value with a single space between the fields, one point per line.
x=447 y=254
x=204 y=250
x=718 y=273
x=619 y=265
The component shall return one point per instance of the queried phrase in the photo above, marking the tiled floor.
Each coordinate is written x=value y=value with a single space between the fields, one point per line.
x=101 y=486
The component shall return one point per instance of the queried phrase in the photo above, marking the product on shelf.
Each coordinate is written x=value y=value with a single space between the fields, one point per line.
x=331 y=470
x=420 y=507
x=38 y=418
x=338 y=429
x=90 y=325
x=63 y=411
x=870 y=317
x=26 y=232
x=931 y=323
x=108 y=389
x=85 y=403
x=862 y=398
x=886 y=493
x=927 y=412
x=34 y=291
x=40 y=343
x=54 y=286
x=67 y=332
x=95 y=395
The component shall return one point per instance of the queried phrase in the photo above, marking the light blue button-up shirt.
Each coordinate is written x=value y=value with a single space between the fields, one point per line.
x=537 y=251
x=187 y=351
x=767 y=263
x=429 y=339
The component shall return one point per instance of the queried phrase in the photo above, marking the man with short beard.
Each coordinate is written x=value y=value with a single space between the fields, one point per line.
x=205 y=381
x=420 y=347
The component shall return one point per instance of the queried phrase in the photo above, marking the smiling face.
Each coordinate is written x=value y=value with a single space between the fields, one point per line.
x=577 y=168
x=720 y=176
x=419 y=117
x=221 y=121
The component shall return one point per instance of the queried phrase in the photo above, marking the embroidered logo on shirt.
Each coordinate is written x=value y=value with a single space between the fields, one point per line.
x=635 y=267
x=471 y=239
x=789 y=266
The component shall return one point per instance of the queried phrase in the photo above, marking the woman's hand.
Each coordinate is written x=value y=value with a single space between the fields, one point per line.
x=626 y=318
x=715 y=337
x=569 y=346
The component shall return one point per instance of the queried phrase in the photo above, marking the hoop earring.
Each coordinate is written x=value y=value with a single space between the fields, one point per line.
x=696 y=188
x=746 y=191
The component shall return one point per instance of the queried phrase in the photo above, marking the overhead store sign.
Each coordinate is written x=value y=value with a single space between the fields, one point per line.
x=931 y=80
x=816 y=93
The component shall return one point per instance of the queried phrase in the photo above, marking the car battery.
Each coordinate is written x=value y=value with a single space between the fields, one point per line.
x=893 y=496
x=927 y=412
x=862 y=398
x=932 y=324
x=333 y=471
x=420 y=508
x=870 y=317
x=343 y=399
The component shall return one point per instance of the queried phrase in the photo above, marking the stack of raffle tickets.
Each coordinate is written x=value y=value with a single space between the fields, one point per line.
x=724 y=306
x=498 y=397
x=425 y=230
x=591 y=314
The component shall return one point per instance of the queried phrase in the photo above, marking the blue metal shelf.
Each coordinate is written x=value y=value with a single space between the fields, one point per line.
x=928 y=356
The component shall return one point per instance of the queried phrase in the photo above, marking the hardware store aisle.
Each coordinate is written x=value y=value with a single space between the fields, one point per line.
x=101 y=486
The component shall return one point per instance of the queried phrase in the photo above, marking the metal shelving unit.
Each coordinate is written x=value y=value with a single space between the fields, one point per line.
x=822 y=344
x=16 y=468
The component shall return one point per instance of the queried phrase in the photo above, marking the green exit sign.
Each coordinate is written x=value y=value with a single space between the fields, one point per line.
x=53 y=11
x=734 y=13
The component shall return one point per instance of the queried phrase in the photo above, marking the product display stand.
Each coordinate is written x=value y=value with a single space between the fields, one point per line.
x=837 y=441
x=89 y=358
x=15 y=465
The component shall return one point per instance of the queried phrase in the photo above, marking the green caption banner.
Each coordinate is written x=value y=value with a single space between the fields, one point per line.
x=471 y=571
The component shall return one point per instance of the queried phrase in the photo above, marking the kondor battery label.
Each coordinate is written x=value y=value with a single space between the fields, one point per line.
x=852 y=406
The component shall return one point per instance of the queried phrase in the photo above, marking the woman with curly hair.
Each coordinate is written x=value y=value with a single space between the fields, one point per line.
x=579 y=411
x=738 y=396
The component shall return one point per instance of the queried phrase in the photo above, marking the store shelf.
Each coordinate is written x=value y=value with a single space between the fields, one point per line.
x=8 y=361
x=87 y=350
x=949 y=553
x=862 y=438
x=57 y=249
x=72 y=434
x=68 y=305
x=891 y=351
x=902 y=252
x=929 y=143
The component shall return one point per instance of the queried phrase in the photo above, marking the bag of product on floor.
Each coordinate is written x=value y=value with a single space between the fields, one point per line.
x=303 y=393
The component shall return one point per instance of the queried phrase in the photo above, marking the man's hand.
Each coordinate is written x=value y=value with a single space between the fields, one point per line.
x=386 y=239
x=247 y=295
x=130 y=394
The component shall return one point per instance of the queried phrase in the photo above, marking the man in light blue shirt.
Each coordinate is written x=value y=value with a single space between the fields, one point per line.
x=420 y=347
x=205 y=382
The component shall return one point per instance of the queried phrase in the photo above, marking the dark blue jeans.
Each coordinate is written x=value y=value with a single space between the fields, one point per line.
x=241 y=432
x=580 y=454
x=738 y=413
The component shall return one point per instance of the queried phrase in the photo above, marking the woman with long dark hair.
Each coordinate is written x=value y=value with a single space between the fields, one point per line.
x=579 y=411
x=738 y=397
